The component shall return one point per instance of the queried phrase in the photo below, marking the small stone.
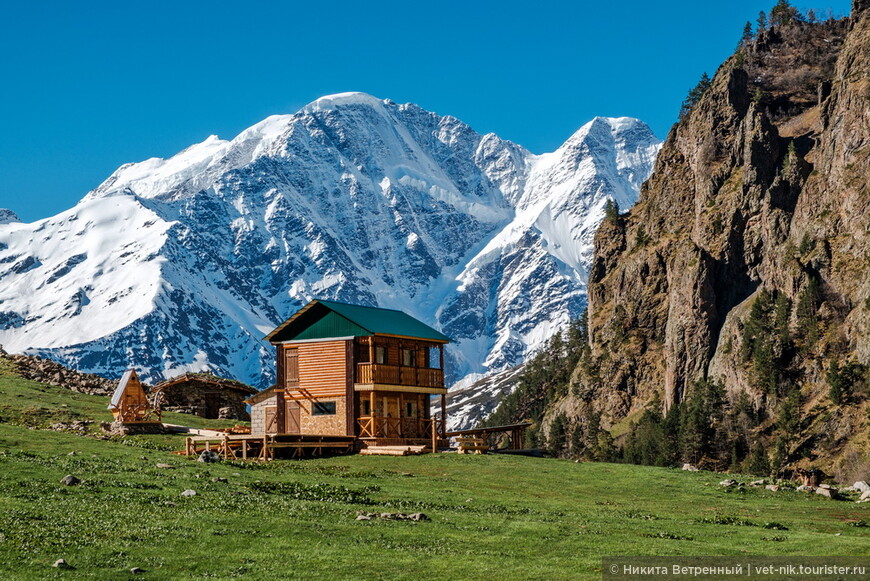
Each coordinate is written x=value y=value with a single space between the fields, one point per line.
x=363 y=517
x=220 y=479
x=804 y=488
x=70 y=480
x=165 y=466
x=772 y=487
x=728 y=483
x=826 y=486
x=418 y=516
x=136 y=570
x=62 y=564
x=73 y=453
x=387 y=515
x=757 y=482
x=170 y=503
x=865 y=495
x=189 y=492
x=407 y=474
x=143 y=457
x=209 y=456
x=690 y=467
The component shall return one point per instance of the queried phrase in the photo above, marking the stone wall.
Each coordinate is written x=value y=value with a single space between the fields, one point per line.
x=192 y=397
x=333 y=425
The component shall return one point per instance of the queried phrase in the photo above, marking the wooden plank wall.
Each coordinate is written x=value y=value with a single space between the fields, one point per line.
x=322 y=368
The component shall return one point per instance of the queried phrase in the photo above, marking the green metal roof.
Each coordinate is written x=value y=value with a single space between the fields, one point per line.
x=326 y=319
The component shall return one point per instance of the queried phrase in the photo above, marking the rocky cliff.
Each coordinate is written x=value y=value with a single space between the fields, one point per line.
x=744 y=263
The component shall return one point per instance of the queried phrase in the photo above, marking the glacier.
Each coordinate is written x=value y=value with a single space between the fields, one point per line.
x=183 y=264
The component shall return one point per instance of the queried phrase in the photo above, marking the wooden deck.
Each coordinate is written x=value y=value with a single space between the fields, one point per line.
x=270 y=446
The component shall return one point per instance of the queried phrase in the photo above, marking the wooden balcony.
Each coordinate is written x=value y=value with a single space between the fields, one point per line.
x=372 y=373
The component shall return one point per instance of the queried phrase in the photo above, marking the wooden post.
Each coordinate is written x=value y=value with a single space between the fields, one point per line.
x=372 y=356
x=372 y=424
x=434 y=437
x=444 y=412
x=244 y=449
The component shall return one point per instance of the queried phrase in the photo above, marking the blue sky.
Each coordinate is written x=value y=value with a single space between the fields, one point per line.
x=88 y=86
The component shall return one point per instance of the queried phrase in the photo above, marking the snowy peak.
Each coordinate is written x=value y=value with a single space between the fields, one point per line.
x=8 y=216
x=183 y=264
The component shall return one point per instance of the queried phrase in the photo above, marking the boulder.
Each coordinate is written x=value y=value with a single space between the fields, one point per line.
x=829 y=492
x=865 y=495
x=189 y=493
x=804 y=488
x=861 y=486
x=70 y=480
x=209 y=456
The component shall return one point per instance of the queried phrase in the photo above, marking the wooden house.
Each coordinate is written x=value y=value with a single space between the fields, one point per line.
x=348 y=370
x=203 y=394
x=129 y=403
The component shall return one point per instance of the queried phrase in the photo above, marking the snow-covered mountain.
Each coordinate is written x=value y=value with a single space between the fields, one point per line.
x=185 y=263
x=7 y=216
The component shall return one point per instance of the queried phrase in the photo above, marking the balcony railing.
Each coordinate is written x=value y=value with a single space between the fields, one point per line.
x=381 y=427
x=399 y=375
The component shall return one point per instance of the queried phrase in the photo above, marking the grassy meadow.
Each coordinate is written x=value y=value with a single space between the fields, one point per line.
x=491 y=517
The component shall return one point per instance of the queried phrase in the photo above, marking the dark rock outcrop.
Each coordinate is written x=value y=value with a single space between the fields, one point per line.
x=762 y=189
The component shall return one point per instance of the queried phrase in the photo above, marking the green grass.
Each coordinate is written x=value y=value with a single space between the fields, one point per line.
x=492 y=517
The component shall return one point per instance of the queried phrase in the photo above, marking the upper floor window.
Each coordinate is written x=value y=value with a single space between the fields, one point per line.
x=434 y=354
x=408 y=357
x=380 y=354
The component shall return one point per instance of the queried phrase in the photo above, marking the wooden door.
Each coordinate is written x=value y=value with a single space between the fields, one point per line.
x=393 y=422
x=271 y=421
x=292 y=418
x=212 y=405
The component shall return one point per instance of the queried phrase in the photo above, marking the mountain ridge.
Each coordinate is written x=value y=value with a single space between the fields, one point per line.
x=184 y=263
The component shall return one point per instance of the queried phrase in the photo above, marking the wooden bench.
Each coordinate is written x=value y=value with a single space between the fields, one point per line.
x=474 y=444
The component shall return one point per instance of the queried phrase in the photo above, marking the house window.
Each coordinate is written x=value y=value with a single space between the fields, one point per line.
x=408 y=357
x=434 y=358
x=380 y=355
x=410 y=409
x=323 y=408
x=366 y=407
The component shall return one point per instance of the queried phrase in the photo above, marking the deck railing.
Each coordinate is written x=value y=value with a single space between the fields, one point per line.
x=381 y=427
x=399 y=375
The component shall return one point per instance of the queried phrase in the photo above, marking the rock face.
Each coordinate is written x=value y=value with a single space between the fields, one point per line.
x=47 y=371
x=759 y=194
x=183 y=264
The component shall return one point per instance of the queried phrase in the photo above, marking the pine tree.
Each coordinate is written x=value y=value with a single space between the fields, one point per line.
x=835 y=382
x=758 y=461
x=747 y=36
x=784 y=14
x=611 y=210
x=762 y=21
x=695 y=95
